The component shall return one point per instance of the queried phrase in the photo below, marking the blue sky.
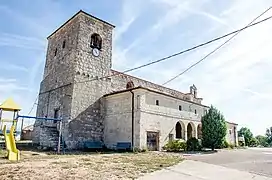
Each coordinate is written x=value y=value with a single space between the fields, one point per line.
x=237 y=79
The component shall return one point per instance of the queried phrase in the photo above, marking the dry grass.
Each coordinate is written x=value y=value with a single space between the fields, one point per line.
x=2 y=153
x=86 y=166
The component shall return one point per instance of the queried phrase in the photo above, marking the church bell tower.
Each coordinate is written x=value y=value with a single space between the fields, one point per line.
x=79 y=54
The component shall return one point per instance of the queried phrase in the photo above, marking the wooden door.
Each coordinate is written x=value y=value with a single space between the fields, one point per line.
x=152 y=141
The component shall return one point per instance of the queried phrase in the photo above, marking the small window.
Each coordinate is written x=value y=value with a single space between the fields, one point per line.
x=56 y=51
x=157 y=102
x=230 y=131
x=195 y=111
x=180 y=107
x=56 y=114
x=63 y=44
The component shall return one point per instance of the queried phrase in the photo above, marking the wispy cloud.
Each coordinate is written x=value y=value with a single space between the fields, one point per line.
x=2 y=80
x=11 y=86
x=171 y=16
x=258 y=94
x=12 y=67
x=18 y=41
x=130 y=12
x=31 y=23
x=210 y=16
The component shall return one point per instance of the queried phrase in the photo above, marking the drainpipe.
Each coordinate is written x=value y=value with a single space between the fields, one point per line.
x=132 y=120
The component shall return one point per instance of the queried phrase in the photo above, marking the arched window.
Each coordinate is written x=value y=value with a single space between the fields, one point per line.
x=130 y=85
x=96 y=41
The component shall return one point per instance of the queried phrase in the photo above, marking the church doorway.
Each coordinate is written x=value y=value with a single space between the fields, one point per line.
x=152 y=141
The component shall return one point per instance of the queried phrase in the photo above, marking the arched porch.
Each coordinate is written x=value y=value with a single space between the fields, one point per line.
x=191 y=130
x=180 y=130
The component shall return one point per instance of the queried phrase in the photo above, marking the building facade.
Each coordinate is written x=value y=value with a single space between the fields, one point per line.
x=95 y=102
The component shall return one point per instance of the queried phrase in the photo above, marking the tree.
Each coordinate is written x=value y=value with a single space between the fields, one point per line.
x=263 y=141
x=213 y=129
x=253 y=142
x=246 y=133
x=269 y=136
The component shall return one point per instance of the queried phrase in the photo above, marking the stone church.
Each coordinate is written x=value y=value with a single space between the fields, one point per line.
x=97 y=103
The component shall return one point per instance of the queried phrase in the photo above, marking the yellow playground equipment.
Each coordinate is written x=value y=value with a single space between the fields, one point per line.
x=13 y=152
x=10 y=106
x=9 y=135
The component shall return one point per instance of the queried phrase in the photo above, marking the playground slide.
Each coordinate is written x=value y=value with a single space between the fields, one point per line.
x=13 y=152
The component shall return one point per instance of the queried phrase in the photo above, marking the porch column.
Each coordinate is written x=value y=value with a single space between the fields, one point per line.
x=196 y=134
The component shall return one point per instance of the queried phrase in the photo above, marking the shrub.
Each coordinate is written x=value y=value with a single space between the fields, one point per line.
x=138 y=150
x=226 y=144
x=193 y=145
x=231 y=145
x=241 y=143
x=253 y=142
x=175 y=146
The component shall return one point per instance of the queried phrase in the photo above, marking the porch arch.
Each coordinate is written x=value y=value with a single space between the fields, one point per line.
x=180 y=130
x=191 y=130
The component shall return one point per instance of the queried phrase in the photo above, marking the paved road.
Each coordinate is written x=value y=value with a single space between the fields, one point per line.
x=226 y=165
x=254 y=160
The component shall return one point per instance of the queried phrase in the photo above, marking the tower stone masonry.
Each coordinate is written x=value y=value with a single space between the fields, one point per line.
x=70 y=83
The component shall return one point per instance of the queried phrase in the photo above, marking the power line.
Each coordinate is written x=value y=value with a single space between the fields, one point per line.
x=237 y=32
x=181 y=52
x=33 y=105
x=165 y=58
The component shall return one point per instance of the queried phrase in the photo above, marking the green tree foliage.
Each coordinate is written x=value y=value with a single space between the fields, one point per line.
x=269 y=136
x=213 y=129
x=193 y=144
x=263 y=141
x=246 y=133
x=253 y=142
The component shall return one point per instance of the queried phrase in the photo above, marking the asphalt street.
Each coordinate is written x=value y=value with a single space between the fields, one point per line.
x=253 y=160
x=242 y=164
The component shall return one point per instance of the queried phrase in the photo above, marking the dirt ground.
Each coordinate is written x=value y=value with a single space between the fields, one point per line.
x=38 y=165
